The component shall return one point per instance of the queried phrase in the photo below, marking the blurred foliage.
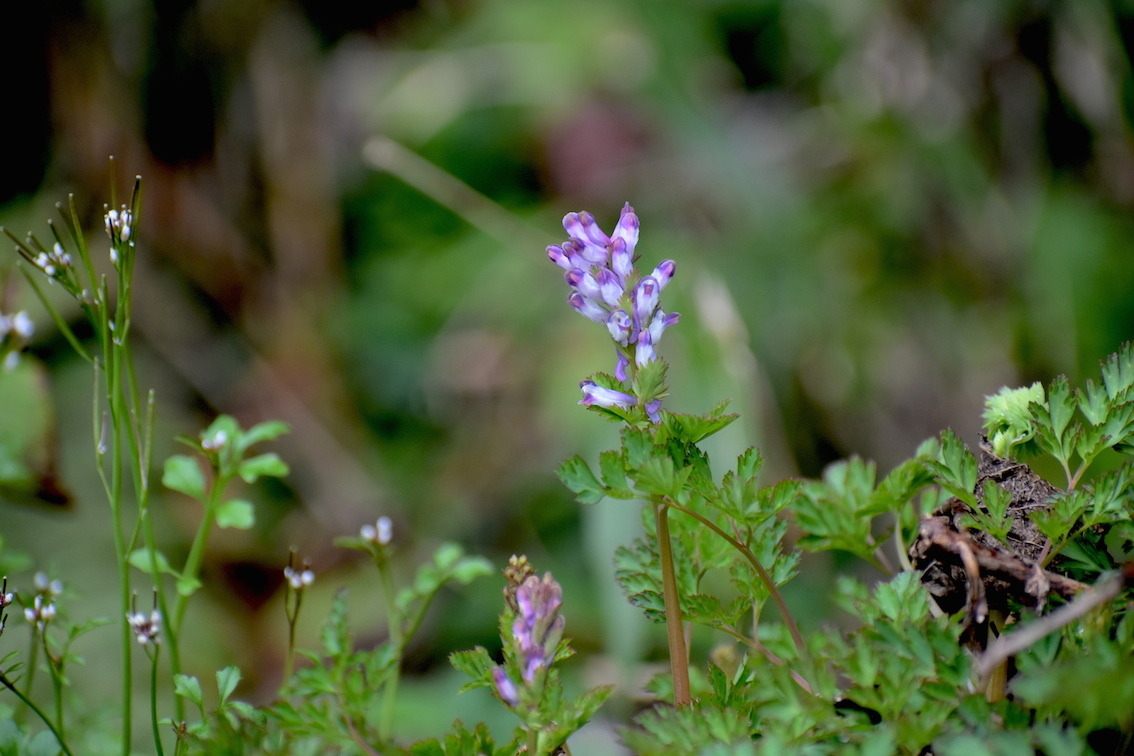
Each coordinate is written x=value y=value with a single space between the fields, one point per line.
x=881 y=212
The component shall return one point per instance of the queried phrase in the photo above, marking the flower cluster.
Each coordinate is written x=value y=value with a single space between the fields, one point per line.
x=15 y=332
x=298 y=579
x=536 y=632
x=42 y=609
x=147 y=627
x=119 y=227
x=606 y=288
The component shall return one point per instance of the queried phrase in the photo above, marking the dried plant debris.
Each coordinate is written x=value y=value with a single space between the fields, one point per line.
x=990 y=559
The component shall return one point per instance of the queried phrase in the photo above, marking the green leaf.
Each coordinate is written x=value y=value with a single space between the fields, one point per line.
x=227 y=680
x=188 y=687
x=182 y=473
x=140 y=559
x=269 y=465
x=613 y=470
x=236 y=513
x=43 y=743
x=955 y=468
x=1118 y=372
x=187 y=586
x=265 y=431
x=477 y=664
x=576 y=475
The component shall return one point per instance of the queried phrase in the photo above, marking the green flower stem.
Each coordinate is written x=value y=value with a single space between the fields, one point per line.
x=55 y=667
x=674 y=627
x=197 y=550
x=153 y=700
x=533 y=742
x=292 y=620
x=38 y=712
x=789 y=620
x=393 y=623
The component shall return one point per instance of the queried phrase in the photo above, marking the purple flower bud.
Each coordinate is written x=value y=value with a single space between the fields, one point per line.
x=574 y=252
x=621 y=260
x=559 y=257
x=619 y=325
x=587 y=307
x=646 y=295
x=644 y=351
x=664 y=272
x=584 y=282
x=627 y=228
x=620 y=369
x=505 y=688
x=604 y=397
x=610 y=287
x=661 y=322
x=653 y=410
x=591 y=241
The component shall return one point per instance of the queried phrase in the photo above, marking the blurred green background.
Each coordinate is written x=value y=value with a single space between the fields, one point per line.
x=880 y=212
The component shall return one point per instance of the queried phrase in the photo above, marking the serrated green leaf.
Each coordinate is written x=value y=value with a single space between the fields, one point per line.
x=261 y=465
x=476 y=663
x=236 y=513
x=613 y=470
x=182 y=473
x=659 y=477
x=749 y=463
x=576 y=474
x=1118 y=371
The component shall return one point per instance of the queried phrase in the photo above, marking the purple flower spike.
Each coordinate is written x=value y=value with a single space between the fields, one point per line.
x=604 y=397
x=588 y=308
x=619 y=325
x=538 y=626
x=505 y=687
x=664 y=272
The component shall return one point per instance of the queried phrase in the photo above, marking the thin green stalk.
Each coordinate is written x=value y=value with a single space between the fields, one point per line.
x=292 y=621
x=197 y=550
x=153 y=699
x=114 y=399
x=674 y=626
x=38 y=712
x=55 y=667
x=765 y=578
x=533 y=741
x=389 y=694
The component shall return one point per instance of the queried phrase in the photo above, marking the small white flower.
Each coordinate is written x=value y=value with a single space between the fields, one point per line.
x=40 y=613
x=50 y=588
x=380 y=533
x=147 y=628
x=218 y=440
x=299 y=579
x=22 y=325
x=11 y=359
